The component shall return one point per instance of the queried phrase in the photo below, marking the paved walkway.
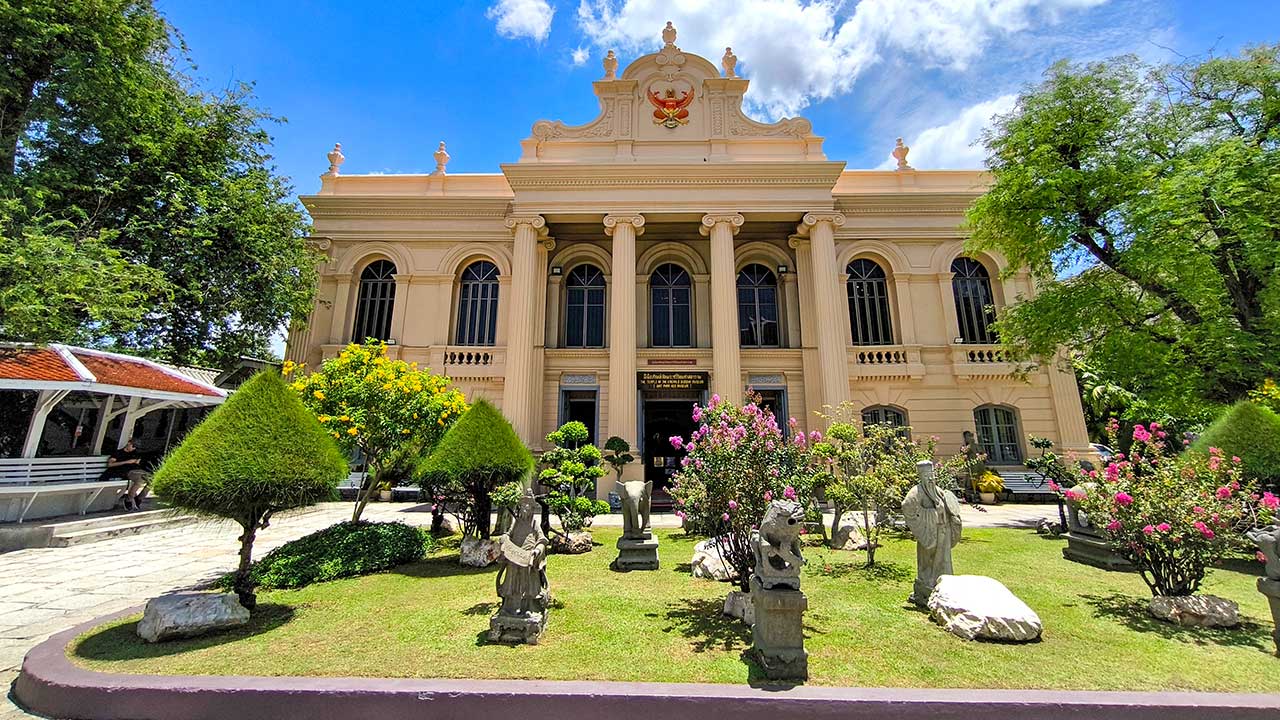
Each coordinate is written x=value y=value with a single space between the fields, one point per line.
x=50 y=589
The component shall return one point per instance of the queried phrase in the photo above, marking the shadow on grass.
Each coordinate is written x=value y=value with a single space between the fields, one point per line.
x=441 y=566
x=881 y=571
x=702 y=621
x=1132 y=612
x=121 y=642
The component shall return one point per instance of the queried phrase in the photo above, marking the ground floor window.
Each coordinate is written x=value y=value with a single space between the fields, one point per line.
x=580 y=406
x=884 y=415
x=997 y=428
x=775 y=401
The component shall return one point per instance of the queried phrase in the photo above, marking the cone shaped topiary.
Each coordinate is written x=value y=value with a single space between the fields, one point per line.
x=259 y=453
x=1251 y=432
x=479 y=453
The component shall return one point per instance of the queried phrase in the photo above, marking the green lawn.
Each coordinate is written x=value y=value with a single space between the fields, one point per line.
x=430 y=619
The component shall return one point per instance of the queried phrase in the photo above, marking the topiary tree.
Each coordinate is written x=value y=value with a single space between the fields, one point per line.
x=259 y=453
x=1251 y=432
x=618 y=454
x=571 y=470
x=479 y=453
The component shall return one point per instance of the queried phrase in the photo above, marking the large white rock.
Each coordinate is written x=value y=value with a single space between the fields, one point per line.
x=706 y=562
x=979 y=607
x=1196 y=610
x=479 y=553
x=190 y=614
x=848 y=537
x=738 y=604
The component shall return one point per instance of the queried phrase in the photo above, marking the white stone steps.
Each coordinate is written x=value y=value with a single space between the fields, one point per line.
x=98 y=529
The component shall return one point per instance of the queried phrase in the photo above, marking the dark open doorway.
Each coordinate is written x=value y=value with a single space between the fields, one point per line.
x=662 y=419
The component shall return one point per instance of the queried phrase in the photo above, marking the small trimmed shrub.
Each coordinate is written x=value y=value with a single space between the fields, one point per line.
x=259 y=453
x=479 y=453
x=347 y=549
x=572 y=467
x=1251 y=432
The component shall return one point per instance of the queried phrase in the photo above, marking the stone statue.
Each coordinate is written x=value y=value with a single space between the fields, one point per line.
x=776 y=546
x=900 y=154
x=933 y=516
x=636 y=498
x=1268 y=541
x=442 y=158
x=522 y=578
x=610 y=66
x=336 y=158
x=730 y=63
x=669 y=34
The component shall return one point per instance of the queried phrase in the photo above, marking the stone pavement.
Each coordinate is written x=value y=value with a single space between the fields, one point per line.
x=45 y=590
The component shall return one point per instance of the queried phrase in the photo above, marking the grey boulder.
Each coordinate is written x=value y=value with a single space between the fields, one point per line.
x=189 y=615
x=1196 y=611
x=479 y=553
x=976 y=607
x=707 y=563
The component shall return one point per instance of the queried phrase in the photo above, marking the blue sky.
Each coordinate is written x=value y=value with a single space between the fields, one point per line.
x=389 y=80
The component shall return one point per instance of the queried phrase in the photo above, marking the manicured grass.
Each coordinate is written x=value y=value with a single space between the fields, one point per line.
x=429 y=619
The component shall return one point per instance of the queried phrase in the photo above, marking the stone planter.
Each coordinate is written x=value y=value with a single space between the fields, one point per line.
x=1086 y=544
x=384 y=495
x=987 y=498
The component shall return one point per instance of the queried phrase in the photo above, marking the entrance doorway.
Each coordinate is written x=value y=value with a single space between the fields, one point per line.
x=663 y=419
x=580 y=405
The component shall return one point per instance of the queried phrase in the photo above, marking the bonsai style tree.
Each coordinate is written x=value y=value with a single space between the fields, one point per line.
x=617 y=452
x=478 y=454
x=259 y=453
x=570 y=472
x=380 y=407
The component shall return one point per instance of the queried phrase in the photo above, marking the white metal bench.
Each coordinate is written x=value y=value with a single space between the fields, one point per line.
x=23 y=480
x=1024 y=483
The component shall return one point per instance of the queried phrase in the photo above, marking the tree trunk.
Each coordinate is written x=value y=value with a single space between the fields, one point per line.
x=835 y=525
x=244 y=584
x=367 y=488
x=867 y=534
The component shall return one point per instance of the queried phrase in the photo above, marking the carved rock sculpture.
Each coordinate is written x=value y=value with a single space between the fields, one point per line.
x=708 y=562
x=933 y=516
x=637 y=548
x=776 y=546
x=730 y=63
x=522 y=579
x=1268 y=541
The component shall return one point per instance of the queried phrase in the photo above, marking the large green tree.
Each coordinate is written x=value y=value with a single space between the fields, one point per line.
x=1143 y=199
x=101 y=130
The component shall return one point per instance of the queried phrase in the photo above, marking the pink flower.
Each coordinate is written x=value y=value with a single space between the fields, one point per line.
x=1124 y=499
x=814 y=436
x=1113 y=472
x=715 y=399
x=1215 y=451
x=789 y=493
x=1215 y=462
x=1074 y=494
x=799 y=439
x=1223 y=493
x=1148 y=530
x=768 y=495
x=1204 y=529
x=733 y=504
x=1055 y=487
x=680 y=514
x=1163 y=527
x=792 y=422
x=1162 y=434
x=1261 y=558
x=676 y=441
x=1140 y=434
x=1197 y=510
x=1235 y=459
x=725 y=517
x=1270 y=501
x=1114 y=526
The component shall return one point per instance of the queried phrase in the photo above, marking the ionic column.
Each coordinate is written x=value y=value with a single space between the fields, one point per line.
x=726 y=363
x=623 y=228
x=517 y=388
x=339 y=331
x=820 y=227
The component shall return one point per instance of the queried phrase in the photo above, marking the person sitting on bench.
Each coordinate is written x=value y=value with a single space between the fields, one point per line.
x=126 y=464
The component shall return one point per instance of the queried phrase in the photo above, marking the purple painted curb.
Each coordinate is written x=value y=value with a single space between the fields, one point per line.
x=52 y=685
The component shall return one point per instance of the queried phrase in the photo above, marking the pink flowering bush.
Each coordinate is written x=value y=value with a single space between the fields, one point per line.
x=738 y=461
x=1171 y=515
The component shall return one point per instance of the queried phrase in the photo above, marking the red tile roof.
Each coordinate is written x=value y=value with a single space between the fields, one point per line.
x=113 y=369
x=63 y=363
x=35 y=364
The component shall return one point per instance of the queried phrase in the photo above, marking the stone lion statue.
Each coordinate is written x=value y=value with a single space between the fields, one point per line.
x=776 y=545
x=1268 y=541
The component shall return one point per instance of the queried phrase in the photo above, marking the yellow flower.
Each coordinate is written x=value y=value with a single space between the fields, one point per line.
x=324 y=418
x=345 y=418
x=318 y=395
x=352 y=431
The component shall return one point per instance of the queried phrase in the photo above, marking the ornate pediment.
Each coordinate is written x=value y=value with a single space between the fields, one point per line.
x=671 y=106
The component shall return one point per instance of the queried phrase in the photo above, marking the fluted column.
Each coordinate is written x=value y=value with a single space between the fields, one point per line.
x=339 y=330
x=517 y=388
x=623 y=228
x=820 y=227
x=726 y=363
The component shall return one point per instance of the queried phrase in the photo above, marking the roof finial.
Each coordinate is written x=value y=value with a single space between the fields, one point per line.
x=900 y=154
x=610 y=66
x=730 y=63
x=442 y=158
x=336 y=159
x=669 y=34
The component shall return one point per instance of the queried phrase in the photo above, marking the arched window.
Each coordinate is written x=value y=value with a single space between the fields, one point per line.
x=584 y=307
x=478 y=304
x=869 y=304
x=374 y=302
x=669 y=307
x=883 y=415
x=757 y=307
x=971 y=286
x=997 y=428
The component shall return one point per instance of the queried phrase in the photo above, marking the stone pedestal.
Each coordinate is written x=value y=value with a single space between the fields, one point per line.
x=637 y=553
x=1088 y=545
x=777 y=637
x=514 y=630
x=1271 y=588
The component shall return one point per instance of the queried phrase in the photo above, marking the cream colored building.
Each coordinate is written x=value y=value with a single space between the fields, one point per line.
x=673 y=248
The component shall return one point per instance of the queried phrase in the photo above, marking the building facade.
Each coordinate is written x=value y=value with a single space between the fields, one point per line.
x=673 y=248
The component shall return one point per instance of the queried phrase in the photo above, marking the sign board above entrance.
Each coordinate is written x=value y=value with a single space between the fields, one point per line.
x=673 y=380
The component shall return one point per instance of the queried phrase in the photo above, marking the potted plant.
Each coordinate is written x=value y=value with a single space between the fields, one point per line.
x=988 y=485
x=384 y=491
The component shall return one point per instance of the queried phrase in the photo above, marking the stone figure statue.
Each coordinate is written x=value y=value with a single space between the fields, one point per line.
x=730 y=63
x=933 y=516
x=776 y=546
x=610 y=66
x=900 y=154
x=1268 y=541
x=522 y=578
x=636 y=498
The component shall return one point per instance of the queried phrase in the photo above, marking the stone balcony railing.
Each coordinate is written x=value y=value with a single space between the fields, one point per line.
x=980 y=361
x=885 y=361
x=469 y=361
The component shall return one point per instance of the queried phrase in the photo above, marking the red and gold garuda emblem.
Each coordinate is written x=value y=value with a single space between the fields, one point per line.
x=672 y=105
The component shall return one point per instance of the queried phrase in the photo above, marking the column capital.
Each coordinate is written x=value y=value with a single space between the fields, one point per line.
x=797 y=242
x=710 y=220
x=548 y=243
x=634 y=219
x=537 y=222
x=822 y=216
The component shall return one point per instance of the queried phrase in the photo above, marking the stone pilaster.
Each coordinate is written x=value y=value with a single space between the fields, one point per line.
x=820 y=228
x=339 y=329
x=517 y=389
x=623 y=228
x=726 y=377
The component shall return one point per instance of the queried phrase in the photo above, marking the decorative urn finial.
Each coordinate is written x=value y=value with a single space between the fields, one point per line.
x=669 y=34
x=610 y=66
x=900 y=154
x=730 y=63
x=442 y=158
x=336 y=158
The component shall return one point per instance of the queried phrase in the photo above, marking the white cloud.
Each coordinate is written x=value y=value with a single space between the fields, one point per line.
x=580 y=56
x=522 y=18
x=800 y=51
x=954 y=145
